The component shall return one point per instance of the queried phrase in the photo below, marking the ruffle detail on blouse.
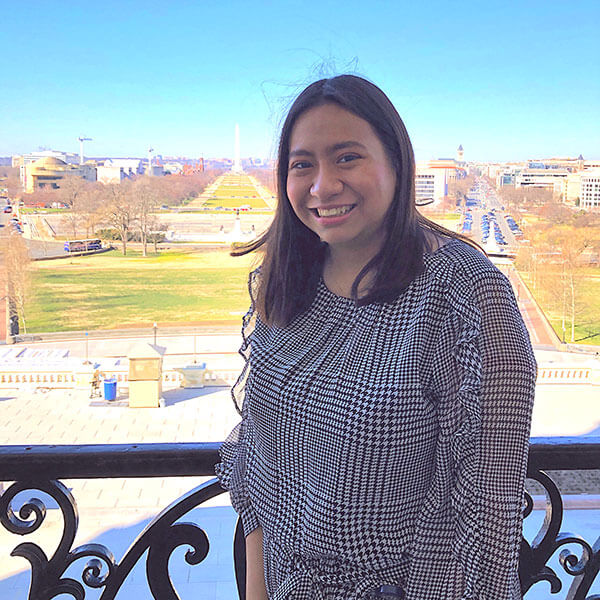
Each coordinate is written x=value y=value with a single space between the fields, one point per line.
x=478 y=520
x=464 y=445
x=248 y=323
x=467 y=353
x=231 y=471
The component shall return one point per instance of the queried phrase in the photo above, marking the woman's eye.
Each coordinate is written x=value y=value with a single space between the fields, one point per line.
x=346 y=158
x=300 y=165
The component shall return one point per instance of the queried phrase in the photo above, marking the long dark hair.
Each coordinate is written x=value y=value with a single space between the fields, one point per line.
x=293 y=254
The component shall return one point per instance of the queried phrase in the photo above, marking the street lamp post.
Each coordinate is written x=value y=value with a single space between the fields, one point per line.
x=155 y=326
x=564 y=307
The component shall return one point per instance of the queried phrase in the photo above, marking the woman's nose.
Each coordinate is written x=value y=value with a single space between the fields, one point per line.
x=326 y=184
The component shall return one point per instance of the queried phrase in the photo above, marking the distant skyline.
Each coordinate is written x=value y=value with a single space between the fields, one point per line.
x=507 y=81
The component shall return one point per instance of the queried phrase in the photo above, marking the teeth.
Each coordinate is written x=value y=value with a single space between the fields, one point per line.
x=334 y=212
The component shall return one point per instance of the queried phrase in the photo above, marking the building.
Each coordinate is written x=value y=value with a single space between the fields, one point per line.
x=550 y=179
x=19 y=161
x=68 y=157
x=590 y=189
x=172 y=167
x=430 y=184
x=49 y=171
x=432 y=178
x=571 y=191
x=131 y=166
x=507 y=175
x=111 y=174
x=155 y=170
x=460 y=154
x=565 y=163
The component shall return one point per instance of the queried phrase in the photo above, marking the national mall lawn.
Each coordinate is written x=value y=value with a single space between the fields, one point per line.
x=184 y=286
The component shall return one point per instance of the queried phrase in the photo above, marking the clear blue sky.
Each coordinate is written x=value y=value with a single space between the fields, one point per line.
x=507 y=80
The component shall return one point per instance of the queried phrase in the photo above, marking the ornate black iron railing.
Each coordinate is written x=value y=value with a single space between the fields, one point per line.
x=40 y=468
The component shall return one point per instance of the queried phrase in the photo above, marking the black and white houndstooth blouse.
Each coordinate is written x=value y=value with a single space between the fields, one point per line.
x=386 y=444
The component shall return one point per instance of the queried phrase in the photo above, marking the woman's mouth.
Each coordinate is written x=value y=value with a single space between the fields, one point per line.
x=334 y=211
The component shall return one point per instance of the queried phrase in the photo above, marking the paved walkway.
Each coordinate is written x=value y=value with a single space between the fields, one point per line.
x=540 y=330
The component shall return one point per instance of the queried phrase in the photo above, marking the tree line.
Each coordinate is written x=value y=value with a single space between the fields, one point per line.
x=128 y=208
x=563 y=244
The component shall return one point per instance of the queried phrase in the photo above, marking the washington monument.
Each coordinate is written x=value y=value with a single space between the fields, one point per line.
x=237 y=163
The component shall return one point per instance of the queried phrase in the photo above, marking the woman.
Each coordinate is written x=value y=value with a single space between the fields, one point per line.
x=387 y=394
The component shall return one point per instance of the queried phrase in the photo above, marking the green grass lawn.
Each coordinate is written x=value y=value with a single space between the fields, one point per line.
x=233 y=202
x=110 y=291
x=587 y=320
x=235 y=191
x=448 y=220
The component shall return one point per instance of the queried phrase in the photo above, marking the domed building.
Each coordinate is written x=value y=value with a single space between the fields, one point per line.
x=49 y=171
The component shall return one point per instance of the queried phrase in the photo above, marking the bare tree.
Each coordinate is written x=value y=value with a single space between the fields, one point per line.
x=10 y=182
x=119 y=210
x=17 y=272
x=157 y=235
x=72 y=193
x=555 y=262
x=572 y=242
x=91 y=207
x=146 y=197
x=177 y=188
x=530 y=198
x=459 y=188
x=265 y=177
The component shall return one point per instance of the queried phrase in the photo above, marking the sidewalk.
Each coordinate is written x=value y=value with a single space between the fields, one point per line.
x=541 y=332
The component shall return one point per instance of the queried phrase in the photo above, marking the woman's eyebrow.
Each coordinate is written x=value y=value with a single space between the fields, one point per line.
x=299 y=152
x=344 y=145
x=330 y=150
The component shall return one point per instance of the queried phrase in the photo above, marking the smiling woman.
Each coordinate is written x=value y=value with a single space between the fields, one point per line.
x=341 y=185
x=387 y=394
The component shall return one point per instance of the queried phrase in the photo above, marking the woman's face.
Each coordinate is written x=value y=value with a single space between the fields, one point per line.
x=340 y=180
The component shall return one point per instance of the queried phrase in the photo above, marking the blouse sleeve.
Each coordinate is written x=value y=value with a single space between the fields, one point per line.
x=237 y=449
x=231 y=472
x=487 y=423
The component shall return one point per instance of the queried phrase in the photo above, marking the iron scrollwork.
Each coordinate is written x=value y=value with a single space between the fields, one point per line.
x=160 y=538
x=534 y=557
x=39 y=468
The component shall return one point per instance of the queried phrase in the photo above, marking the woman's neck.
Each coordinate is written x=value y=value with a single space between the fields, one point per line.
x=343 y=264
x=341 y=268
